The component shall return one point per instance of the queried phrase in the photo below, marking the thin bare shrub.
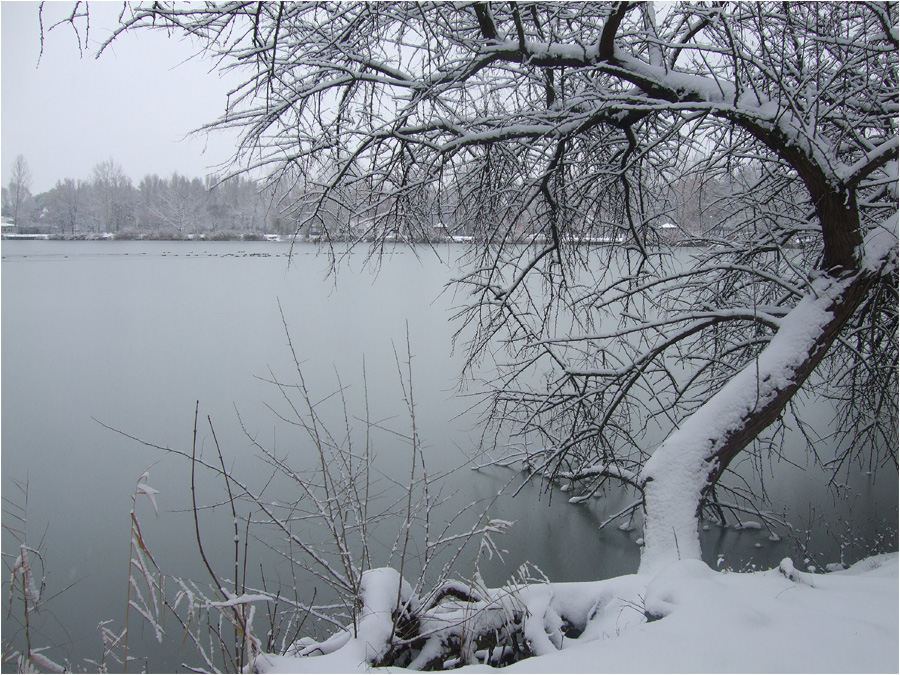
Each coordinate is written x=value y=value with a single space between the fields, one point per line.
x=376 y=557
x=338 y=517
x=26 y=586
x=145 y=591
x=351 y=535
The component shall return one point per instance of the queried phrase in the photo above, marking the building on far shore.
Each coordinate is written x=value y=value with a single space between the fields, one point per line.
x=8 y=231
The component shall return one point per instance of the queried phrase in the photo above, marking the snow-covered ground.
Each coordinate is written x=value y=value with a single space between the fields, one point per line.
x=781 y=620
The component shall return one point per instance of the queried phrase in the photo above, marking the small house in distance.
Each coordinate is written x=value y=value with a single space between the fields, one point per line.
x=669 y=232
x=675 y=235
x=8 y=231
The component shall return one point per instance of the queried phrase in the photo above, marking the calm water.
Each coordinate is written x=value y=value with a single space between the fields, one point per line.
x=132 y=334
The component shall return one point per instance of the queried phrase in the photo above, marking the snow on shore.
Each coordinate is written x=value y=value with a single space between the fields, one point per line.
x=781 y=620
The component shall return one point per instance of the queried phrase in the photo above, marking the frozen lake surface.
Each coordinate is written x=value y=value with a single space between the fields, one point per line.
x=132 y=334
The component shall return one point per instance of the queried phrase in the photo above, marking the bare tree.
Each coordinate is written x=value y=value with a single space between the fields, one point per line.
x=20 y=191
x=236 y=204
x=179 y=203
x=561 y=124
x=65 y=204
x=113 y=196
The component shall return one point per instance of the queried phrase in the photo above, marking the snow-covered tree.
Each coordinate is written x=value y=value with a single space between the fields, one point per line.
x=236 y=203
x=179 y=204
x=19 y=192
x=568 y=124
x=65 y=205
x=113 y=197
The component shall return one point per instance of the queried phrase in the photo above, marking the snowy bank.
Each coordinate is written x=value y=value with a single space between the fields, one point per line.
x=687 y=618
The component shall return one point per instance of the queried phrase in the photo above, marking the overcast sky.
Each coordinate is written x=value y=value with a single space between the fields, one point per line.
x=135 y=104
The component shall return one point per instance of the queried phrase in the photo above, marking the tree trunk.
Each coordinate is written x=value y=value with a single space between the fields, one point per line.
x=695 y=455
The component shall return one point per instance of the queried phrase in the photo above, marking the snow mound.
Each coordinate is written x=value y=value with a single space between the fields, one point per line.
x=685 y=618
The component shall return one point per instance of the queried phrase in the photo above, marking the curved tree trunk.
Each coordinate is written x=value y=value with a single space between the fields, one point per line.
x=694 y=456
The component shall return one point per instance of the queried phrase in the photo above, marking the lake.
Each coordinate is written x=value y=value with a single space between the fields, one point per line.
x=131 y=335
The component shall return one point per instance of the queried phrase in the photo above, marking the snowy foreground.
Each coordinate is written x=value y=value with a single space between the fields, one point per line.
x=781 y=620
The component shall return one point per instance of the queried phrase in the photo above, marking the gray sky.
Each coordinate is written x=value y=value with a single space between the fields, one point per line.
x=135 y=104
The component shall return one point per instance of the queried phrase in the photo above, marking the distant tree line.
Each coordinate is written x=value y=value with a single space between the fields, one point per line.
x=167 y=207
x=178 y=207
